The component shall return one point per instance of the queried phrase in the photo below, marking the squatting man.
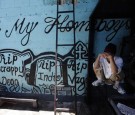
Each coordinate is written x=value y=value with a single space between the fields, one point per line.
x=108 y=68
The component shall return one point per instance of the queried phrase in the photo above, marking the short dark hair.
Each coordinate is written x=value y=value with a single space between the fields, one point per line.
x=110 y=48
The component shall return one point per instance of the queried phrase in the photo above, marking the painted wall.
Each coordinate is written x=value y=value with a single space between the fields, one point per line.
x=110 y=30
x=28 y=38
x=27 y=45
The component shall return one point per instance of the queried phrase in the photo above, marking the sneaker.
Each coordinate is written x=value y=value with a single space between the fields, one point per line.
x=119 y=89
x=115 y=87
x=97 y=83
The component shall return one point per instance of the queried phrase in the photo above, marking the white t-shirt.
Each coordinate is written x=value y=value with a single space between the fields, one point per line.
x=106 y=66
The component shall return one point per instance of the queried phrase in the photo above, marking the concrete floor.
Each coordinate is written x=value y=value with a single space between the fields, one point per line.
x=44 y=108
x=23 y=112
x=96 y=103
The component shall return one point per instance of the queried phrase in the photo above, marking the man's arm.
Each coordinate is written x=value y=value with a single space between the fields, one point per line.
x=113 y=65
x=97 y=63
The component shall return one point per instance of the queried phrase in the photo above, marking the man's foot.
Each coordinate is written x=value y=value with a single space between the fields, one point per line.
x=119 y=89
x=97 y=83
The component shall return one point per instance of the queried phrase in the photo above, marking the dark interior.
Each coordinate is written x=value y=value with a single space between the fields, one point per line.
x=109 y=9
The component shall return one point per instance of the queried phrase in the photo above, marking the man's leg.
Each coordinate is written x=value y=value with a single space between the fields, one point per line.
x=100 y=77
x=116 y=79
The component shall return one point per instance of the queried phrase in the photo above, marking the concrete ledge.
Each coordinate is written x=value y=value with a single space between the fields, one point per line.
x=7 y=99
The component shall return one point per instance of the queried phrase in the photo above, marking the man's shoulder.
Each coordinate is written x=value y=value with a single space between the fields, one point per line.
x=118 y=58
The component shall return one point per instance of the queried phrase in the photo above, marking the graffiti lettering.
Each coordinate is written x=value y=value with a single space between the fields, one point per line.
x=79 y=66
x=51 y=77
x=13 y=70
x=46 y=64
x=21 y=29
x=10 y=59
x=66 y=23
x=114 y=25
x=49 y=27
x=12 y=83
x=81 y=25
x=79 y=80
x=71 y=64
x=38 y=75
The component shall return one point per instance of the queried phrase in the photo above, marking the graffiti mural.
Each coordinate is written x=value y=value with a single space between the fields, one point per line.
x=23 y=72
x=112 y=26
x=65 y=22
x=26 y=28
x=110 y=30
x=28 y=45
x=22 y=28
x=12 y=69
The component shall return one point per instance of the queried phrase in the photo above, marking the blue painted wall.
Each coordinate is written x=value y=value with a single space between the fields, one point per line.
x=27 y=45
x=110 y=30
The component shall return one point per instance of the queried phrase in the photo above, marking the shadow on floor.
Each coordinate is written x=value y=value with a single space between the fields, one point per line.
x=97 y=99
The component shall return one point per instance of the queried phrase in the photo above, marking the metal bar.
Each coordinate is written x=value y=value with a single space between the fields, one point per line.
x=65 y=44
x=114 y=106
x=56 y=56
x=64 y=110
x=65 y=66
x=71 y=11
x=65 y=28
x=74 y=55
